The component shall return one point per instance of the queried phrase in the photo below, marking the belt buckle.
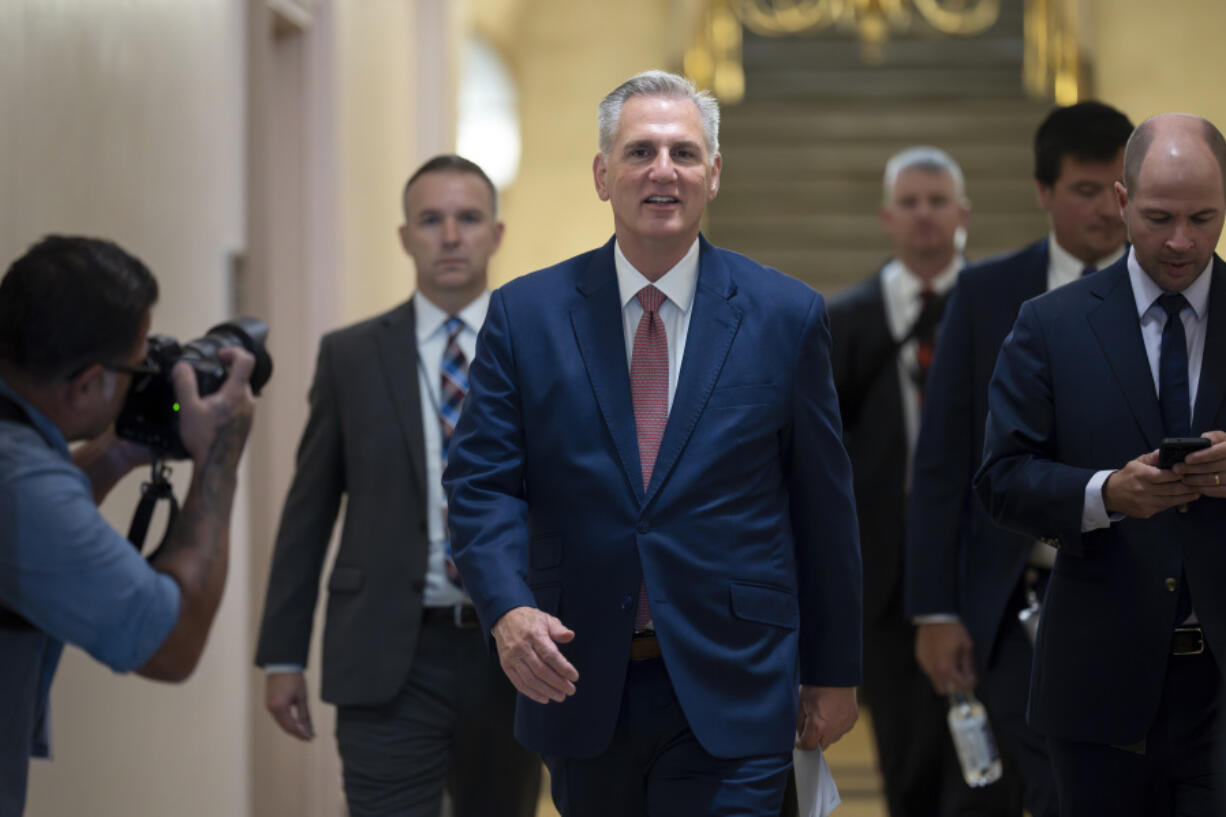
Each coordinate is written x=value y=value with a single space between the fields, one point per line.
x=457 y=617
x=1199 y=641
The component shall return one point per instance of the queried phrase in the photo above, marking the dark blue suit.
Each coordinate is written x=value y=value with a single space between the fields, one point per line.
x=1072 y=394
x=746 y=535
x=958 y=560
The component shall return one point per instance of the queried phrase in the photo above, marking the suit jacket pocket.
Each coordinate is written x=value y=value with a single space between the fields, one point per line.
x=733 y=396
x=764 y=604
x=346 y=579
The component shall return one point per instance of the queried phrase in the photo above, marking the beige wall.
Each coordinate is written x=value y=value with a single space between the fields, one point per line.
x=1152 y=58
x=125 y=119
x=376 y=148
x=1156 y=57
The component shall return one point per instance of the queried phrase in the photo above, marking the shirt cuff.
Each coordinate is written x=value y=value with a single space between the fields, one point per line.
x=934 y=618
x=272 y=669
x=1094 y=514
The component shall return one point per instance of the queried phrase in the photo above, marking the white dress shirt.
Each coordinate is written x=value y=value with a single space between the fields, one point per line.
x=678 y=285
x=1153 y=318
x=431 y=343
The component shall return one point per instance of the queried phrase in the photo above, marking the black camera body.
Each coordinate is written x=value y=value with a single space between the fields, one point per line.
x=150 y=414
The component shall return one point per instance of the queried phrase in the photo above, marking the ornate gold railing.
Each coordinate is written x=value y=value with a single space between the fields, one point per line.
x=1052 y=66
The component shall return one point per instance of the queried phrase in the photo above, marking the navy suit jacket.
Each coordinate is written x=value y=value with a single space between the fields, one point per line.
x=958 y=561
x=746 y=535
x=1072 y=394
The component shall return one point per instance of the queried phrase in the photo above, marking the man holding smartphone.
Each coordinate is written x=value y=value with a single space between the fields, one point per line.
x=1127 y=676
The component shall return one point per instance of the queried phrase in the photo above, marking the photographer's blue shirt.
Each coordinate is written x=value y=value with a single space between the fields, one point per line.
x=72 y=577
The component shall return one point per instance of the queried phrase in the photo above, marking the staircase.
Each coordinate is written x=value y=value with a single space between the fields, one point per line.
x=804 y=153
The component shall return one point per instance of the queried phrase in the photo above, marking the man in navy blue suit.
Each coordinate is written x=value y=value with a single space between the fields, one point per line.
x=1127 y=682
x=967 y=579
x=649 y=498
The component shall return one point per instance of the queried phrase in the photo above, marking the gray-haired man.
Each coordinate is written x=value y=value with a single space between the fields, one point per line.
x=884 y=332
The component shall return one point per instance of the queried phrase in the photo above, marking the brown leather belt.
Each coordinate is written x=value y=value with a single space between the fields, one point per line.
x=1188 y=641
x=644 y=646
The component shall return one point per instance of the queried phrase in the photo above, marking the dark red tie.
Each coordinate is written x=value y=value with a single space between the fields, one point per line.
x=649 y=392
x=925 y=347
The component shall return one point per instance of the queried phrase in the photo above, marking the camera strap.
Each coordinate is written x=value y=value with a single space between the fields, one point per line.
x=157 y=489
x=12 y=411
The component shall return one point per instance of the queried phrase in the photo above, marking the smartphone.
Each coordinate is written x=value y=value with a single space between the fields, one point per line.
x=1174 y=449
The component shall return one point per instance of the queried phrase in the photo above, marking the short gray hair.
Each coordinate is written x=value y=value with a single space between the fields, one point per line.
x=658 y=83
x=921 y=157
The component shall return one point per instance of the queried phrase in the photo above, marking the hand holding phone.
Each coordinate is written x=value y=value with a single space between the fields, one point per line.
x=1174 y=449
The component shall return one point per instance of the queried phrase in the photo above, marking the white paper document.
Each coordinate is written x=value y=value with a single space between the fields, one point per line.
x=816 y=794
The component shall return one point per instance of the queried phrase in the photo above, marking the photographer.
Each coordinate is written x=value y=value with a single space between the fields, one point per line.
x=74 y=317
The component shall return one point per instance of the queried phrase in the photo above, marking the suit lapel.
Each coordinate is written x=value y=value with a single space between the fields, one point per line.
x=396 y=341
x=1115 y=324
x=713 y=325
x=1210 y=389
x=597 y=323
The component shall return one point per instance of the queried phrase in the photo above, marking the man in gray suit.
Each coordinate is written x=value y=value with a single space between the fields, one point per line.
x=421 y=704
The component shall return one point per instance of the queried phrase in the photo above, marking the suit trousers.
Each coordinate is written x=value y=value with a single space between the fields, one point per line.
x=655 y=767
x=1178 y=770
x=451 y=725
x=1007 y=690
x=919 y=765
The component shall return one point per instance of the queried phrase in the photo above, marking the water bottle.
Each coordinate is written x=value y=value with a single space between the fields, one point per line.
x=968 y=724
x=1029 y=615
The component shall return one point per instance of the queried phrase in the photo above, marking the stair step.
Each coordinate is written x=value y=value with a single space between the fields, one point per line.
x=804 y=153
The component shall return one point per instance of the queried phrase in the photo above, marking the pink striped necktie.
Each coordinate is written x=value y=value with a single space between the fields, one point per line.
x=649 y=392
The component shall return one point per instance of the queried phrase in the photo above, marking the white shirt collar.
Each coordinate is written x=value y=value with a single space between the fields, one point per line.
x=901 y=289
x=909 y=284
x=430 y=318
x=1145 y=291
x=678 y=284
x=1067 y=267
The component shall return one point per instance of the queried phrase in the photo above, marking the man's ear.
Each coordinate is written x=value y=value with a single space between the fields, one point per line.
x=600 y=169
x=76 y=392
x=1121 y=197
x=1043 y=194
x=884 y=214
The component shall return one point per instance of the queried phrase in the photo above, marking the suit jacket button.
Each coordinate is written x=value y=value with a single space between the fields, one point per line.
x=627 y=602
x=642 y=527
x=419 y=585
x=1171 y=584
x=424 y=527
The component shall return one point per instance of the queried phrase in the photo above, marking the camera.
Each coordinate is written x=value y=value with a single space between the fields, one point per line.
x=150 y=414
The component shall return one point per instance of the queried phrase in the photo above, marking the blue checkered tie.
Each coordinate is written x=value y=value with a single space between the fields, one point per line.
x=453 y=384
x=453 y=387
